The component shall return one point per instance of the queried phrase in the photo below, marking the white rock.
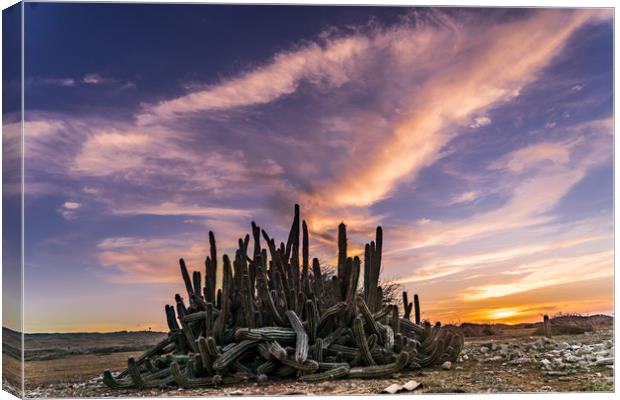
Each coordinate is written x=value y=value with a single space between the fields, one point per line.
x=411 y=385
x=484 y=350
x=605 y=361
x=546 y=364
x=394 y=388
x=446 y=365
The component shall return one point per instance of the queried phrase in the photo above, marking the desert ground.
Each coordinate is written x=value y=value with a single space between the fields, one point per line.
x=496 y=358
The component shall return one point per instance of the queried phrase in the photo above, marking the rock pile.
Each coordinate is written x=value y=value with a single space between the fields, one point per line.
x=552 y=356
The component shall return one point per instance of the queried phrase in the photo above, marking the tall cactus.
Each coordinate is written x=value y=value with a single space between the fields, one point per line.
x=407 y=306
x=222 y=319
x=342 y=256
x=416 y=302
x=273 y=317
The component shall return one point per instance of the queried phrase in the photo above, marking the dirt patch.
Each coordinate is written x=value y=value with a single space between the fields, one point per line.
x=499 y=368
x=52 y=346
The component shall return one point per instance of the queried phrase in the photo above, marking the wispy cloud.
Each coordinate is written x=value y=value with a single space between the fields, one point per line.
x=69 y=209
x=480 y=121
x=173 y=209
x=94 y=79
x=331 y=64
x=152 y=260
x=64 y=82
x=465 y=197
x=548 y=272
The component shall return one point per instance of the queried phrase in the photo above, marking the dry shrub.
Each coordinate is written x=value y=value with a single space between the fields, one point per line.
x=477 y=330
x=575 y=324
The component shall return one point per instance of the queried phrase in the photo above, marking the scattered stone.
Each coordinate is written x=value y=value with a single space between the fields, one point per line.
x=395 y=388
x=446 y=365
x=521 y=360
x=556 y=373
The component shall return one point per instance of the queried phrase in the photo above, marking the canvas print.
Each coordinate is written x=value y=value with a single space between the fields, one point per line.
x=257 y=200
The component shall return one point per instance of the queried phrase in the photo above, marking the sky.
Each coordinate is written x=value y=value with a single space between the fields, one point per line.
x=479 y=139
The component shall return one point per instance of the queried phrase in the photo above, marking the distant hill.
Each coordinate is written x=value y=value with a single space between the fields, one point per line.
x=561 y=324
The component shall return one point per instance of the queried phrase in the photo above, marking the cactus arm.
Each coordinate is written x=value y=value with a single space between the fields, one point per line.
x=331 y=312
x=305 y=247
x=368 y=317
x=264 y=292
x=197 y=284
x=266 y=368
x=266 y=333
x=301 y=347
x=247 y=301
x=207 y=362
x=222 y=319
x=395 y=320
x=334 y=373
x=213 y=266
x=342 y=251
x=312 y=316
x=416 y=303
x=379 y=371
x=353 y=275
x=361 y=341
x=186 y=279
x=115 y=383
x=232 y=354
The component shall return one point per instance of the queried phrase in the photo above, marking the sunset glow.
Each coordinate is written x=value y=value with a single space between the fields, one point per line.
x=479 y=139
x=502 y=313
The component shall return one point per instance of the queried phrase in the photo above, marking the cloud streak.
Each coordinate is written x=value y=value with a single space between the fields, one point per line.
x=330 y=65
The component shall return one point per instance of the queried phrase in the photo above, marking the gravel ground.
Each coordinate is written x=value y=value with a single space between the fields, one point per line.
x=526 y=364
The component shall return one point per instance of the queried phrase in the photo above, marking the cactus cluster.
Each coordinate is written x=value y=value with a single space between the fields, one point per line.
x=274 y=318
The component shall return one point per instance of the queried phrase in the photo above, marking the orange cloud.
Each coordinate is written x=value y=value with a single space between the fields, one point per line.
x=548 y=272
x=475 y=75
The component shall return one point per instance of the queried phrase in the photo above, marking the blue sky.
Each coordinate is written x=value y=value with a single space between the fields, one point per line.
x=480 y=139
